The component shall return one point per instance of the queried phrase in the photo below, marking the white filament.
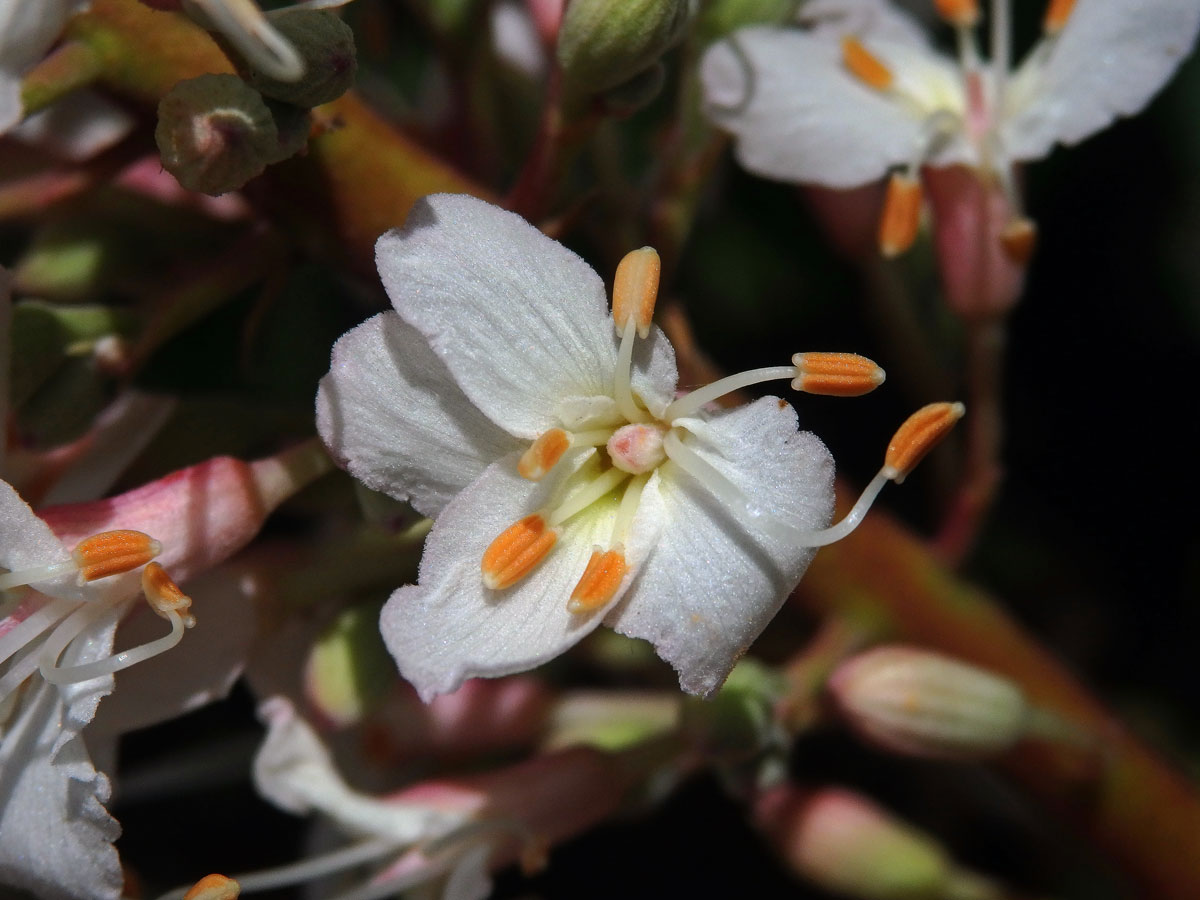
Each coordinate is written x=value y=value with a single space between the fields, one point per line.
x=623 y=377
x=107 y=666
x=37 y=573
x=586 y=496
x=692 y=403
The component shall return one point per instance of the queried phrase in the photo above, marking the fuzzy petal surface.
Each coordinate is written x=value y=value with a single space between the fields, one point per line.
x=392 y=415
x=519 y=320
x=449 y=627
x=27 y=542
x=798 y=115
x=55 y=834
x=1109 y=60
x=713 y=581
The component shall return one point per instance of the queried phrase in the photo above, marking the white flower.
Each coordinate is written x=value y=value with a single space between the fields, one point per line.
x=663 y=520
x=859 y=90
x=28 y=28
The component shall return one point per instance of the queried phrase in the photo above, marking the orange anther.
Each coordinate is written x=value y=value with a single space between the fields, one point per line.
x=1018 y=239
x=113 y=552
x=920 y=433
x=214 y=887
x=516 y=552
x=865 y=65
x=961 y=13
x=599 y=582
x=1057 y=14
x=835 y=374
x=901 y=215
x=635 y=290
x=163 y=594
x=543 y=454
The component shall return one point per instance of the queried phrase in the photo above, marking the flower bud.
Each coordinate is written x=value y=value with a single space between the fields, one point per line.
x=920 y=703
x=844 y=843
x=215 y=133
x=348 y=670
x=630 y=96
x=326 y=45
x=720 y=17
x=605 y=43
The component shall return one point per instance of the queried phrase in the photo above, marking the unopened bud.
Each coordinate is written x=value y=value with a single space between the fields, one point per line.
x=844 y=843
x=215 y=133
x=718 y=18
x=920 y=703
x=604 y=43
x=348 y=670
x=326 y=45
x=630 y=96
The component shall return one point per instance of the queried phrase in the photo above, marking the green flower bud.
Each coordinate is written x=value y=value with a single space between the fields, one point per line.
x=605 y=43
x=348 y=669
x=325 y=44
x=215 y=133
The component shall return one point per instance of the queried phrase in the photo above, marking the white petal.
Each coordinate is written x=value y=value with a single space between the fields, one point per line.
x=55 y=835
x=1108 y=61
x=27 y=30
x=10 y=100
x=713 y=582
x=294 y=770
x=449 y=627
x=391 y=414
x=200 y=670
x=878 y=19
x=27 y=542
x=520 y=321
x=799 y=115
x=77 y=127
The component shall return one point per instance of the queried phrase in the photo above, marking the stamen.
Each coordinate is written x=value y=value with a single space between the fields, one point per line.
x=543 y=454
x=623 y=378
x=113 y=552
x=635 y=290
x=690 y=404
x=865 y=65
x=1018 y=239
x=517 y=551
x=1057 y=14
x=214 y=887
x=600 y=581
x=23 y=632
x=960 y=13
x=585 y=497
x=901 y=215
x=164 y=595
x=628 y=508
x=920 y=433
x=836 y=374
x=244 y=24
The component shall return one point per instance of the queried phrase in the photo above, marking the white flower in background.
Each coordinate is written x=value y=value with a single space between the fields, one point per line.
x=569 y=487
x=28 y=28
x=245 y=25
x=858 y=91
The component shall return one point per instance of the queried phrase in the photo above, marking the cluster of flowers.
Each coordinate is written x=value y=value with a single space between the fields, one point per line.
x=571 y=483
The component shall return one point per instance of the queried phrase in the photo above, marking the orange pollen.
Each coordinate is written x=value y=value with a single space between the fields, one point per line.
x=920 y=433
x=113 y=552
x=1057 y=14
x=516 y=552
x=599 y=582
x=865 y=65
x=214 y=887
x=901 y=215
x=163 y=594
x=961 y=13
x=635 y=290
x=543 y=453
x=1018 y=239
x=836 y=374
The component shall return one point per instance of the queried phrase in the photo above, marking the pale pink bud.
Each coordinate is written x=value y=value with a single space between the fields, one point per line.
x=850 y=217
x=482 y=716
x=844 y=843
x=202 y=514
x=547 y=17
x=983 y=272
x=916 y=702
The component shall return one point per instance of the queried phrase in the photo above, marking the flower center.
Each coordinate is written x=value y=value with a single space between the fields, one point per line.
x=637 y=449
